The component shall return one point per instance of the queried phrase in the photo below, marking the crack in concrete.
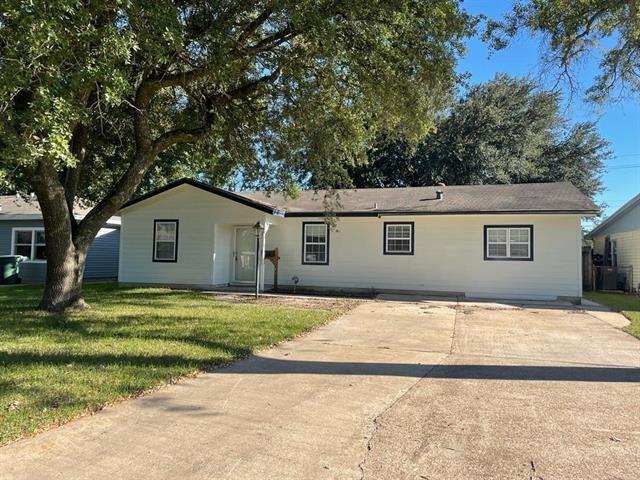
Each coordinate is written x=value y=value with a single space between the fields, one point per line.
x=376 y=419
x=533 y=475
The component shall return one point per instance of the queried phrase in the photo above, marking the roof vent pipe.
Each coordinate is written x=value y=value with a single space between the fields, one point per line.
x=439 y=194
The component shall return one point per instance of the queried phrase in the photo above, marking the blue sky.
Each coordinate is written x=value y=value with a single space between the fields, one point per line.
x=619 y=123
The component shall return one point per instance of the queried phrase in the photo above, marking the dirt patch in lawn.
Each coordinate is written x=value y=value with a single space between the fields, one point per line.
x=330 y=304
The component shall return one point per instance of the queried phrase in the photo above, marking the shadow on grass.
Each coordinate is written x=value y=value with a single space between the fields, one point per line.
x=83 y=359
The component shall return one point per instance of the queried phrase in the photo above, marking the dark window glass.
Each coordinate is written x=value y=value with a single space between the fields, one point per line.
x=24 y=250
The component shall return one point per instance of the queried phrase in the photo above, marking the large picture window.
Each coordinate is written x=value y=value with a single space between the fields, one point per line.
x=398 y=238
x=30 y=243
x=508 y=242
x=165 y=240
x=315 y=243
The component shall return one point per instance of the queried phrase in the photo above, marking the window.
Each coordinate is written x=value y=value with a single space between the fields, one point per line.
x=508 y=242
x=315 y=243
x=165 y=240
x=612 y=259
x=29 y=242
x=398 y=238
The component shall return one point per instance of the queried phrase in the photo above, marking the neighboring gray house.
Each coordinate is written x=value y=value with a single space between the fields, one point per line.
x=617 y=238
x=22 y=233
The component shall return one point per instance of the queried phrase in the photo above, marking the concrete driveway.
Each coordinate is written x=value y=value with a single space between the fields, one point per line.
x=392 y=390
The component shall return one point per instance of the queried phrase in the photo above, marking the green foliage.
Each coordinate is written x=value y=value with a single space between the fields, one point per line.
x=54 y=368
x=608 y=30
x=503 y=131
x=301 y=85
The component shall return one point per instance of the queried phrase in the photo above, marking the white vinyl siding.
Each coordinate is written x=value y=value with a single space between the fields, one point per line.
x=205 y=238
x=449 y=257
x=30 y=243
x=504 y=243
x=315 y=243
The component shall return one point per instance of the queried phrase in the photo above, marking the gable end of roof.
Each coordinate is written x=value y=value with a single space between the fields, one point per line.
x=634 y=202
x=207 y=188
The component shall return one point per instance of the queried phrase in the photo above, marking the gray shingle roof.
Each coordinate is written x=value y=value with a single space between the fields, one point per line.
x=518 y=198
x=15 y=207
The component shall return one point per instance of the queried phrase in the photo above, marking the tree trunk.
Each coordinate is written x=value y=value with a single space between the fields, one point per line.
x=66 y=250
x=65 y=271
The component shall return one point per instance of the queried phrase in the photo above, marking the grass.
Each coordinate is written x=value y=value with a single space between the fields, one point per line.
x=56 y=367
x=628 y=305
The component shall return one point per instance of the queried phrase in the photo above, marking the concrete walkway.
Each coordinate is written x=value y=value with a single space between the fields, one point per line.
x=394 y=389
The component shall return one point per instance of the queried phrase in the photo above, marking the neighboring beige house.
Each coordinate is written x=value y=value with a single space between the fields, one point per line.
x=491 y=241
x=617 y=238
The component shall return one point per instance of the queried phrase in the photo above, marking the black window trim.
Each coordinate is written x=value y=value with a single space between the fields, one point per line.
x=384 y=238
x=153 y=249
x=304 y=228
x=508 y=259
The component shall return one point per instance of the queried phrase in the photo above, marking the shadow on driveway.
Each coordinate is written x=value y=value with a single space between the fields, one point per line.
x=262 y=365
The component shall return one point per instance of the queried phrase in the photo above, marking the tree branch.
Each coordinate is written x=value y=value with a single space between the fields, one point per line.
x=71 y=178
x=182 y=135
x=254 y=25
x=568 y=50
x=272 y=41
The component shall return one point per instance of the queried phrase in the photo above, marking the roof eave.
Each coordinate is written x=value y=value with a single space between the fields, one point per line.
x=386 y=213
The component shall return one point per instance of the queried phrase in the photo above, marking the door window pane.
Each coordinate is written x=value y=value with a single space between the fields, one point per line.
x=245 y=254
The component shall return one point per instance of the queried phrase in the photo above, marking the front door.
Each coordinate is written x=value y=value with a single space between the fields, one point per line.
x=245 y=255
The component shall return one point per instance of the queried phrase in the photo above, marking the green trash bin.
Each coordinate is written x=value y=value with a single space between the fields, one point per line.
x=10 y=269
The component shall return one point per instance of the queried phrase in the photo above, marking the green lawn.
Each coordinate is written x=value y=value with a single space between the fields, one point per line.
x=628 y=305
x=56 y=367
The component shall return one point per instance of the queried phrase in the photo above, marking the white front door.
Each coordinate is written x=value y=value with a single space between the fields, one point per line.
x=245 y=255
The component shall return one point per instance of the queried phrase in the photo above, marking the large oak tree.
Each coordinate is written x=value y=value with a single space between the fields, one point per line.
x=98 y=96
x=507 y=130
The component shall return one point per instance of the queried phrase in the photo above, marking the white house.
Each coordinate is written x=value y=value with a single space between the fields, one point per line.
x=502 y=241
x=617 y=239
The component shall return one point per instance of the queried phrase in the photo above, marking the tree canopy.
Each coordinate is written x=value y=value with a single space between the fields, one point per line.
x=98 y=97
x=507 y=130
x=608 y=30
x=300 y=82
